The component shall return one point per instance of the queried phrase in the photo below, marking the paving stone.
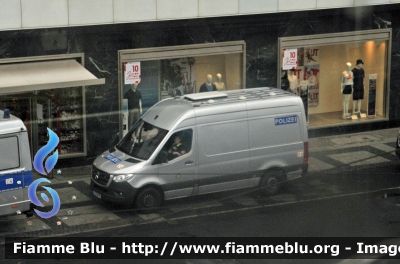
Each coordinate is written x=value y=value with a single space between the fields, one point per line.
x=375 y=160
x=364 y=157
x=245 y=200
x=19 y=224
x=154 y=218
x=349 y=157
x=318 y=165
x=195 y=206
x=385 y=148
x=285 y=197
x=363 y=138
x=66 y=196
x=85 y=215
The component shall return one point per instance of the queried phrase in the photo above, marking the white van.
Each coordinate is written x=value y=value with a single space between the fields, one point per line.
x=15 y=166
x=204 y=143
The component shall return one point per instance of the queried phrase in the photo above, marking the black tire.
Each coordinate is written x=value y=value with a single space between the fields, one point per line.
x=148 y=200
x=271 y=182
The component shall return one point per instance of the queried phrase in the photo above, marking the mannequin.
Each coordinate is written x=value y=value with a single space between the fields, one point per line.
x=134 y=104
x=312 y=79
x=219 y=84
x=293 y=83
x=179 y=80
x=208 y=86
x=346 y=88
x=358 y=94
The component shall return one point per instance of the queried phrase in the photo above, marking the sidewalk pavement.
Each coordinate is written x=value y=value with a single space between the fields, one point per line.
x=329 y=154
x=343 y=153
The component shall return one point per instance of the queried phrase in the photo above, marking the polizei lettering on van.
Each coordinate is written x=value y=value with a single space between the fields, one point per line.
x=112 y=158
x=286 y=120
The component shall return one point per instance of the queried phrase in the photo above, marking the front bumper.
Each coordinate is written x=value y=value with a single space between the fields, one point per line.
x=117 y=192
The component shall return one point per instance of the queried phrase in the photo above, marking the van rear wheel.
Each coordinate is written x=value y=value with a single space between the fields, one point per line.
x=271 y=182
x=148 y=200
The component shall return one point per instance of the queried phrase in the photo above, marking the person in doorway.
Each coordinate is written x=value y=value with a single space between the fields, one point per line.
x=134 y=104
x=208 y=86
x=219 y=84
x=293 y=82
x=284 y=81
x=346 y=88
x=177 y=149
x=179 y=81
x=358 y=93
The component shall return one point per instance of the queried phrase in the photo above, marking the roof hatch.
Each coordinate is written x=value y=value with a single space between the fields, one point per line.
x=205 y=96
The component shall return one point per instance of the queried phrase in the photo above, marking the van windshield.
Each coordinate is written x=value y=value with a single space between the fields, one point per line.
x=142 y=140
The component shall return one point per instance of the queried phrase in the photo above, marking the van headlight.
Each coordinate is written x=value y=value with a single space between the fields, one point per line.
x=122 y=177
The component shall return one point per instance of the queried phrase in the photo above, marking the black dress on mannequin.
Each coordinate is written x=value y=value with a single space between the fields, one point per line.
x=358 y=93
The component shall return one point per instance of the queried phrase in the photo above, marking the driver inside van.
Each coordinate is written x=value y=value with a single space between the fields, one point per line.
x=177 y=149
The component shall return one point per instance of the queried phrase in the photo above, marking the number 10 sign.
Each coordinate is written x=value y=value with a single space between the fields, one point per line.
x=132 y=72
x=289 y=59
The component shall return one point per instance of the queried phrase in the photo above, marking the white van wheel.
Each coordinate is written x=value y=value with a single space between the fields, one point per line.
x=148 y=200
x=270 y=183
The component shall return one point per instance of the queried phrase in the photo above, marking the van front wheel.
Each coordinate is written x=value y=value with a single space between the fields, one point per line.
x=148 y=200
x=271 y=182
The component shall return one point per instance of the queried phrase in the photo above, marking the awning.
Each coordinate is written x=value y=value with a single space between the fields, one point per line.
x=30 y=76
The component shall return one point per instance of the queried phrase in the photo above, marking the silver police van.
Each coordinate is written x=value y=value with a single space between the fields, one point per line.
x=204 y=143
x=15 y=166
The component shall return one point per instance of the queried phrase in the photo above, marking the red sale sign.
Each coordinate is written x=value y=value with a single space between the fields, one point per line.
x=289 y=59
x=132 y=72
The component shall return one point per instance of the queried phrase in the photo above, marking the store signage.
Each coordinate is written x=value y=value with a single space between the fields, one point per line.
x=372 y=94
x=286 y=120
x=132 y=72
x=289 y=59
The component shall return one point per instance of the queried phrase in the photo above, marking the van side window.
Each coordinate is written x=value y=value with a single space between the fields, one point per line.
x=179 y=144
x=9 y=148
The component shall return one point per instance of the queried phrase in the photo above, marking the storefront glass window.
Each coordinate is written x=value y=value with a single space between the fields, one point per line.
x=340 y=83
x=58 y=109
x=144 y=82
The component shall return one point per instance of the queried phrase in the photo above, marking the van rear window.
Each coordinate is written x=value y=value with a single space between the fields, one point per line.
x=9 y=153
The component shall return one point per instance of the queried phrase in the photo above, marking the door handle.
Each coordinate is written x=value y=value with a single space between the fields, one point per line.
x=189 y=162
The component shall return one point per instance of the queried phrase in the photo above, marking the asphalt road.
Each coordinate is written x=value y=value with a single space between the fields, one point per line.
x=356 y=204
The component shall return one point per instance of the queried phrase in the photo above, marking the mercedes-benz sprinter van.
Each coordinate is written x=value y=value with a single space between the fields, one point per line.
x=204 y=143
x=15 y=166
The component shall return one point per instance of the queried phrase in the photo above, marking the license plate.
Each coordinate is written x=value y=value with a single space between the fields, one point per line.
x=98 y=195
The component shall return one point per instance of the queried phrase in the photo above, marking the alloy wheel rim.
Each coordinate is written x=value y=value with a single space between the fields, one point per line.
x=148 y=200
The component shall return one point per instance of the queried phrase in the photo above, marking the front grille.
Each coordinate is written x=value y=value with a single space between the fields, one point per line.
x=100 y=177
